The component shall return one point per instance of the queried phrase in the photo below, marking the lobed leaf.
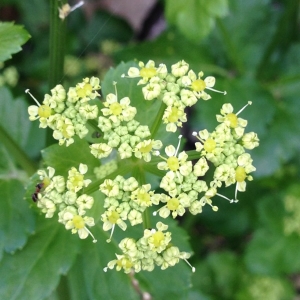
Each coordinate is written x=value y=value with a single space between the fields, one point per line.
x=11 y=38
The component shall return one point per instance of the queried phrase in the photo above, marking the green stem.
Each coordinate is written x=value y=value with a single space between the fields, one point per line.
x=155 y=126
x=20 y=156
x=56 y=43
x=56 y=50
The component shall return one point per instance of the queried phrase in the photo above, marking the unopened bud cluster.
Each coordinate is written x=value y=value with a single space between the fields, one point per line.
x=184 y=185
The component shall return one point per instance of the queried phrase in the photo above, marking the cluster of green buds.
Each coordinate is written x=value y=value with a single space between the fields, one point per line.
x=128 y=198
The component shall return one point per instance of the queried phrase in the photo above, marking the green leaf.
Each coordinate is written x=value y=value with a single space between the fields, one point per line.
x=63 y=158
x=15 y=120
x=34 y=272
x=11 y=38
x=16 y=219
x=217 y=275
x=271 y=253
x=115 y=29
x=169 y=48
x=194 y=18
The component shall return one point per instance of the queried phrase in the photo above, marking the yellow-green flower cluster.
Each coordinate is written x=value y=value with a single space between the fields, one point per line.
x=122 y=132
x=125 y=200
x=58 y=194
x=153 y=249
x=178 y=89
x=67 y=112
x=184 y=183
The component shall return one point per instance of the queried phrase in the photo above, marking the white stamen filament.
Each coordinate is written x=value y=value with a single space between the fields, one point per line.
x=37 y=102
x=111 y=233
x=178 y=145
x=193 y=268
x=224 y=92
x=230 y=200
x=249 y=103
x=80 y=3
x=94 y=240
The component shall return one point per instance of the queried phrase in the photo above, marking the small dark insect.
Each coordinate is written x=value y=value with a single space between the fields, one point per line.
x=38 y=188
x=96 y=135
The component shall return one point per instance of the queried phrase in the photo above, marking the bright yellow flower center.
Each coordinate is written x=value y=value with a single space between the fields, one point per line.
x=148 y=72
x=144 y=198
x=44 y=111
x=158 y=237
x=173 y=204
x=116 y=108
x=46 y=182
x=65 y=131
x=114 y=217
x=240 y=174
x=78 y=222
x=85 y=90
x=209 y=145
x=77 y=179
x=146 y=149
x=124 y=262
x=198 y=85
x=173 y=163
x=174 y=115
x=233 y=119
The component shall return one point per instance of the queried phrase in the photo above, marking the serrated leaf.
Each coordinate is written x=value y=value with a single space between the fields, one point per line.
x=16 y=219
x=195 y=18
x=63 y=158
x=34 y=272
x=11 y=38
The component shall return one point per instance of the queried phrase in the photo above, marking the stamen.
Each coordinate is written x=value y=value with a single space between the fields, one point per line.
x=178 y=145
x=155 y=213
x=28 y=92
x=230 y=200
x=249 y=103
x=193 y=268
x=236 y=190
x=111 y=233
x=157 y=153
x=224 y=93
x=94 y=240
x=116 y=92
x=80 y=3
